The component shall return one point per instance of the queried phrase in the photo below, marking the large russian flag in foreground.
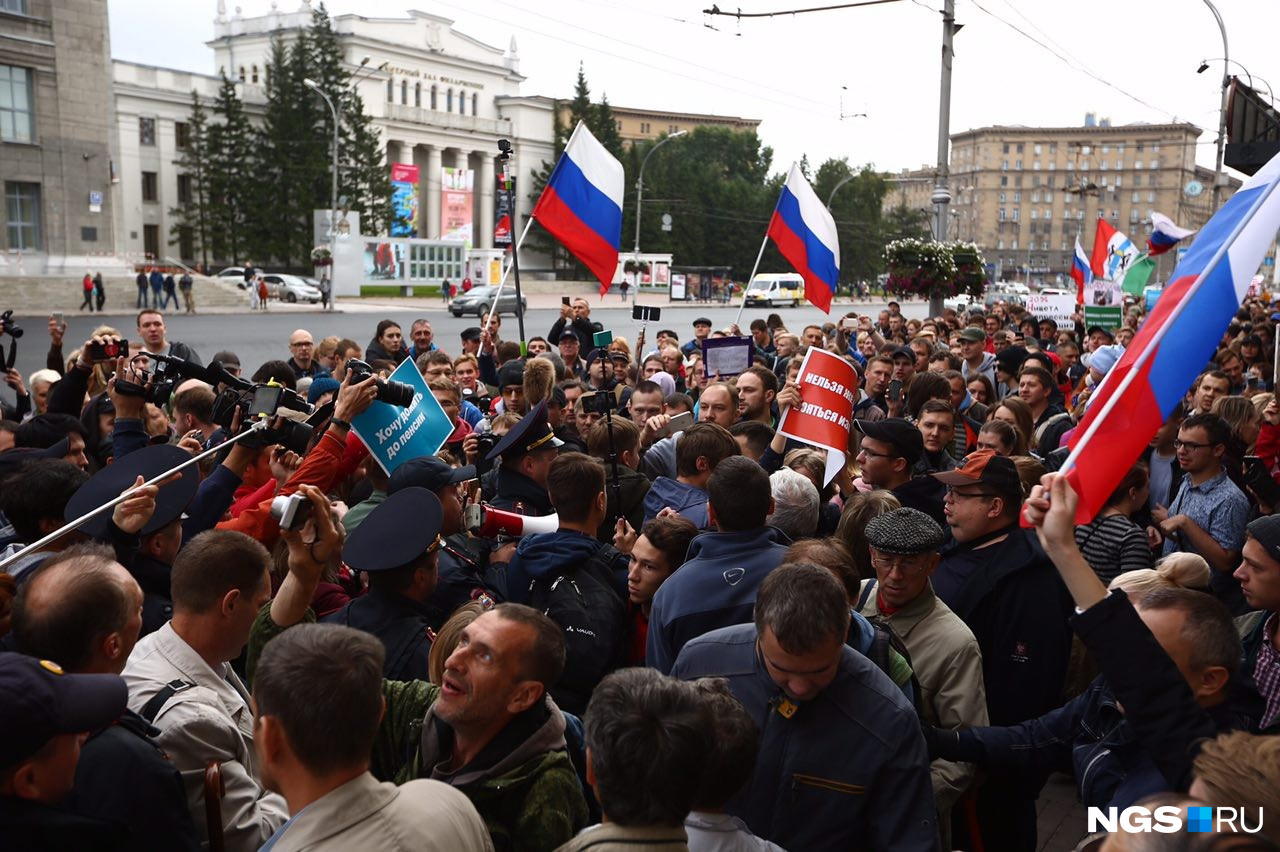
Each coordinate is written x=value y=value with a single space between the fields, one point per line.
x=582 y=204
x=1176 y=341
x=805 y=234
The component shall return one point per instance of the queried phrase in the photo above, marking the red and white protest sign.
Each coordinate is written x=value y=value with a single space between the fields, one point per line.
x=828 y=390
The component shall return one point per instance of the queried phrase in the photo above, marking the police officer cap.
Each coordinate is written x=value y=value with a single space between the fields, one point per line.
x=905 y=532
x=42 y=701
x=110 y=482
x=405 y=526
x=531 y=433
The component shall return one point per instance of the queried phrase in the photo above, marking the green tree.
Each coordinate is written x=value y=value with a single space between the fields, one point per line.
x=191 y=217
x=605 y=128
x=232 y=159
x=856 y=199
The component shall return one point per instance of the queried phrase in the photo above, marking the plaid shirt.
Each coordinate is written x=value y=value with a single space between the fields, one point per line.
x=1266 y=672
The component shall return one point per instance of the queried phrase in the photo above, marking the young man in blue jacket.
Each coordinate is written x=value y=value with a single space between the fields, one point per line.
x=716 y=586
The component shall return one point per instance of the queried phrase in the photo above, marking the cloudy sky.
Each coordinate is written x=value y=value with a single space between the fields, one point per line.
x=1030 y=62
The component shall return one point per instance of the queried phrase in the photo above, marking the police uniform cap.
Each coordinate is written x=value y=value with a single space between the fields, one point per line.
x=531 y=433
x=110 y=482
x=405 y=526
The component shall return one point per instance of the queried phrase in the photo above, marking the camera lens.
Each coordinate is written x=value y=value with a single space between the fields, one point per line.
x=395 y=393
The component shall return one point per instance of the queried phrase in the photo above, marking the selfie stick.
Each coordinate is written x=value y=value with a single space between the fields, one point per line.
x=747 y=286
x=508 y=184
x=70 y=526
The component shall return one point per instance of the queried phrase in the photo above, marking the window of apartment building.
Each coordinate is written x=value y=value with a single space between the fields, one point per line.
x=1151 y=180
x=1020 y=147
x=1017 y=181
x=1136 y=197
x=150 y=187
x=1102 y=166
x=254 y=73
x=1053 y=147
x=1035 y=167
x=1155 y=163
x=1080 y=214
x=1037 y=150
x=1106 y=149
x=1017 y=198
x=1151 y=197
x=1048 y=195
x=17 y=112
x=1155 y=147
x=1119 y=181
x=673 y=128
x=1004 y=165
x=1133 y=216
x=1035 y=214
x=146 y=131
x=17 y=7
x=1115 y=214
x=475 y=105
x=1000 y=244
x=434 y=92
x=1013 y=245
x=184 y=191
x=448 y=101
x=644 y=127
x=1035 y=180
x=1006 y=148
x=1004 y=181
x=1086 y=149
x=1017 y=214
x=1048 y=214
x=417 y=94
x=240 y=74
x=1053 y=166
x=1002 y=197
x=462 y=103
x=181 y=135
x=1000 y=215
x=22 y=215
x=404 y=92
x=1017 y=164
x=391 y=90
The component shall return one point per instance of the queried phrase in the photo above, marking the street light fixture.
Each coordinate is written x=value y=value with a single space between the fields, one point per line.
x=640 y=190
x=333 y=187
x=1204 y=66
x=842 y=182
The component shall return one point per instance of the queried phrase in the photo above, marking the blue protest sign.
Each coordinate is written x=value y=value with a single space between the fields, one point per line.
x=393 y=434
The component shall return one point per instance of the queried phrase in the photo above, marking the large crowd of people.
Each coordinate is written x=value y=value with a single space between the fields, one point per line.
x=705 y=643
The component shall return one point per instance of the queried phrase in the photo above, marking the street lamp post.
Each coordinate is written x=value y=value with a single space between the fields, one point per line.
x=640 y=196
x=831 y=196
x=1222 y=110
x=333 y=189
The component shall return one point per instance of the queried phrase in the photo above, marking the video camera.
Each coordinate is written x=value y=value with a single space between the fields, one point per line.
x=393 y=393
x=11 y=328
x=161 y=375
x=258 y=402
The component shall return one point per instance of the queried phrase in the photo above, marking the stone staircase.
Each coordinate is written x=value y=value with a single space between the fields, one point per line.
x=41 y=295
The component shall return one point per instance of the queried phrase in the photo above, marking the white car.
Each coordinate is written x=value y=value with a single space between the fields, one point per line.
x=958 y=303
x=290 y=288
x=1055 y=291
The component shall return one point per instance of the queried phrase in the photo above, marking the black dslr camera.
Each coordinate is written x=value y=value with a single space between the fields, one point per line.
x=11 y=328
x=393 y=393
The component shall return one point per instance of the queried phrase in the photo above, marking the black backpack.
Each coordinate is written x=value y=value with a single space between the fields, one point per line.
x=885 y=638
x=583 y=601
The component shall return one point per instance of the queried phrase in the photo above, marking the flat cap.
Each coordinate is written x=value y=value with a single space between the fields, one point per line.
x=905 y=532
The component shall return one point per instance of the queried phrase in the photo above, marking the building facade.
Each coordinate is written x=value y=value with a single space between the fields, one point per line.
x=1024 y=194
x=57 y=151
x=647 y=125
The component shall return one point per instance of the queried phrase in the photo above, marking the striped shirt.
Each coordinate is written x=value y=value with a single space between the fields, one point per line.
x=1112 y=545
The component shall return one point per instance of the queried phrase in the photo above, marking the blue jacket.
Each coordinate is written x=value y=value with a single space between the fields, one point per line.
x=714 y=588
x=847 y=770
x=689 y=500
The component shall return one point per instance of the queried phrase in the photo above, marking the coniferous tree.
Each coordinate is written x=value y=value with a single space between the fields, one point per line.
x=605 y=128
x=192 y=216
x=232 y=158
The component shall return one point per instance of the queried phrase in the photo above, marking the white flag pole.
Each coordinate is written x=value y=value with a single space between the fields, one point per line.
x=747 y=285
x=503 y=281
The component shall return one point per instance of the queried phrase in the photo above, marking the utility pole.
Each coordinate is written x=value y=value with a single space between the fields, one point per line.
x=941 y=189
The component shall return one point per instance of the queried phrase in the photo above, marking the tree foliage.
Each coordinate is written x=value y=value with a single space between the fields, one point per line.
x=192 y=217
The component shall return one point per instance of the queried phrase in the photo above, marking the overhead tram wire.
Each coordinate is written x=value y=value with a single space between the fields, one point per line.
x=716 y=10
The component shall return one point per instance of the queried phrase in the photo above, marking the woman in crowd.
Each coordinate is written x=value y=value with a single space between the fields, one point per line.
x=858 y=510
x=998 y=436
x=1016 y=413
x=387 y=344
x=981 y=389
x=1112 y=543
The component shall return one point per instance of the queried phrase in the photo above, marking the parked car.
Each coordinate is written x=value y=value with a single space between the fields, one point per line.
x=478 y=299
x=290 y=288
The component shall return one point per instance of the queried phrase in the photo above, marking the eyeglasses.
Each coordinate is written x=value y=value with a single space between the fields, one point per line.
x=302 y=343
x=1179 y=444
x=904 y=565
x=872 y=454
x=957 y=495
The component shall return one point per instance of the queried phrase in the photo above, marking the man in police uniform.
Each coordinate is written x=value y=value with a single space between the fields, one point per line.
x=461 y=569
x=527 y=452
x=398 y=545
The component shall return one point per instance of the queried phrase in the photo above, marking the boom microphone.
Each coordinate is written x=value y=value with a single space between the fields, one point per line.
x=486 y=522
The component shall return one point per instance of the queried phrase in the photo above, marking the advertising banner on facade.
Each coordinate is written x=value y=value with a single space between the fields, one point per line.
x=502 y=212
x=404 y=200
x=456 y=198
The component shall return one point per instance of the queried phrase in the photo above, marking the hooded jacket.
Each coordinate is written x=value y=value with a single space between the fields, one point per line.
x=715 y=587
x=689 y=500
x=986 y=368
x=543 y=556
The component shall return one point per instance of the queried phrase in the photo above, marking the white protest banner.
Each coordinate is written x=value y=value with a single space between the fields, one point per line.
x=394 y=434
x=1058 y=307
x=828 y=390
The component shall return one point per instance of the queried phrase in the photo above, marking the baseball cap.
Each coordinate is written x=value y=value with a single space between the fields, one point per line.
x=984 y=467
x=905 y=437
x=428 y=472
x=568 y=334
x=42 y=701
x=905 y=532
x=904 y=352
x=1108 y=332
x=976 y=335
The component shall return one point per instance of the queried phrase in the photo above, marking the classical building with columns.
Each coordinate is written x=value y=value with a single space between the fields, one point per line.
x=440 y=99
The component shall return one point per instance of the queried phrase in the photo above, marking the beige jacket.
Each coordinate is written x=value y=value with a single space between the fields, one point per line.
x=211 y=721
x=610 y=837
x=948 y=664
x=365 y=814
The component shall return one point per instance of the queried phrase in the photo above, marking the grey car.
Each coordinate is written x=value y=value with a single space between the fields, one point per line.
x=478 y=300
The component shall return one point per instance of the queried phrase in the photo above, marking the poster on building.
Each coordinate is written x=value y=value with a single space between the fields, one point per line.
x=404 y=200
x=456 y=192
x=502 y=211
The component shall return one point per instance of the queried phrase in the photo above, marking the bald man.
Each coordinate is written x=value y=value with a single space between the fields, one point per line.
x=302 y=351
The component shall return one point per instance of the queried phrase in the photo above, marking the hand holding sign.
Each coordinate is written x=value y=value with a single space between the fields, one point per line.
x=826 y=387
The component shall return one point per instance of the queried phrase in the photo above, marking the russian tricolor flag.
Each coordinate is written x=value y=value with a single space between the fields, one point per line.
x=1176 y=341
x=1164 y=234
x=582 y=204
x=805 y=234
x=1080 y=271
